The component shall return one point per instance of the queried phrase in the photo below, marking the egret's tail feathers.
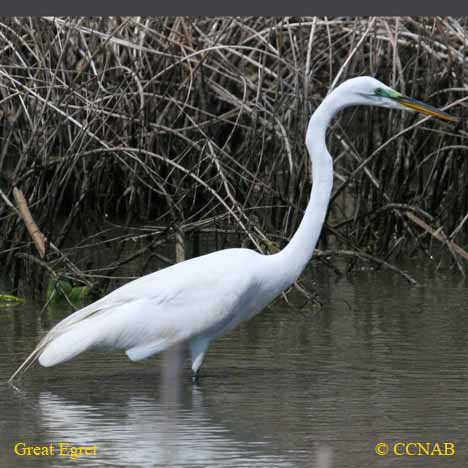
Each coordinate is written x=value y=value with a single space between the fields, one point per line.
x=29 y=361
x=66 y=346
x=53 y=349
x=46 y=351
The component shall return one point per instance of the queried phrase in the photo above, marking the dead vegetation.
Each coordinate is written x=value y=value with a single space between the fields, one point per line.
x=181 y=126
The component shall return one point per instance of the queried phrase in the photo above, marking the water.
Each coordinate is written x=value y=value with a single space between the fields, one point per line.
x=382 y=361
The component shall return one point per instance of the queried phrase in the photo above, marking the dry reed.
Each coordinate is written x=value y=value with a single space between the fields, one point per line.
x=176 y=126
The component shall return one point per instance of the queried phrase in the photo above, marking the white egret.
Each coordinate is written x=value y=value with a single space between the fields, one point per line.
x=197 y=301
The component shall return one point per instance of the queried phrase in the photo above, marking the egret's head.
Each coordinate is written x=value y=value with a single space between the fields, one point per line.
x=368 y=90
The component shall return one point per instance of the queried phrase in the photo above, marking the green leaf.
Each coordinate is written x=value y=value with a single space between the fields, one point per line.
x=61 y=295
x=7 y=300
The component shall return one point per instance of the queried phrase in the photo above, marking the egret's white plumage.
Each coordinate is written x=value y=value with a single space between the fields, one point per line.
x=200 y=299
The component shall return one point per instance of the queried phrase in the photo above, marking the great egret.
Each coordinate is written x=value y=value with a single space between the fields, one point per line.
x=199 y=300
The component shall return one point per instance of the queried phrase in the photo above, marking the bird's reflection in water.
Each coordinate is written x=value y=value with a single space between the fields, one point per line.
x=143 y=427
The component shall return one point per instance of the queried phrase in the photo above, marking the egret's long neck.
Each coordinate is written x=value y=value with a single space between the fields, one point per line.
x=295 y=256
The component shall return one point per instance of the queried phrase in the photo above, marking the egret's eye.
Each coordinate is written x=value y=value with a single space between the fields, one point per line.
x=380 y=92
x=387 y=93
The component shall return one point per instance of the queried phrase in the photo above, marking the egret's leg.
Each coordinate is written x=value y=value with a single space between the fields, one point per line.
x=198 y=348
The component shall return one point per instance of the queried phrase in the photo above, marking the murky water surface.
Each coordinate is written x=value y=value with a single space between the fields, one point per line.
x=382 y=361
